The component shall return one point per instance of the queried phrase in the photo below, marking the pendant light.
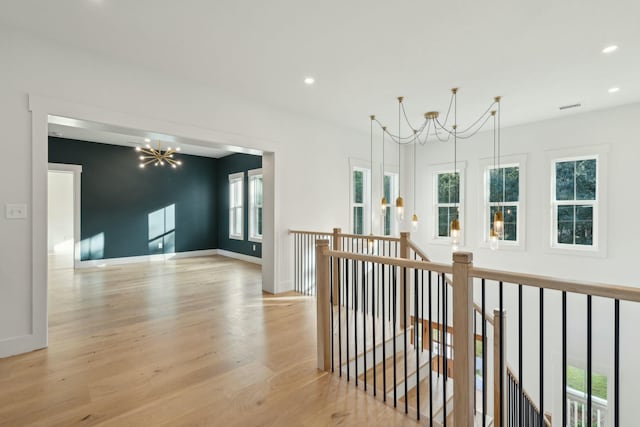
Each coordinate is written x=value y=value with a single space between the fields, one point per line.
x=493 y=240
x=498 y=217
x=399 y=200
x=414 y=218
x=384 y=202
x=455 y=229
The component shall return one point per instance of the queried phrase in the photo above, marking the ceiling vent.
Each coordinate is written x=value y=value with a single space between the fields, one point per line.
x=566 y=107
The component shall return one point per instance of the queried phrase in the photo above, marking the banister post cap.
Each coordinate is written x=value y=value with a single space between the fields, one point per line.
x=322 y=242
x=463 y=257
x=337 y=230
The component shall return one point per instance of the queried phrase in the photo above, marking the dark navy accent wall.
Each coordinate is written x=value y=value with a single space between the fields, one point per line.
x=226 y=166
x=117 y=198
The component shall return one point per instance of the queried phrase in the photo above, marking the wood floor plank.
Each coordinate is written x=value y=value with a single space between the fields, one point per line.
x=181 y=342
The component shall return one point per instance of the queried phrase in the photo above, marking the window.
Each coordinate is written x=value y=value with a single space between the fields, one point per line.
x=577 y=398
x=575 y=202
x=360 y=210
x=503 y=194
x=236 y=182
x=391 y=194
x=447 y=193
x=255 y=205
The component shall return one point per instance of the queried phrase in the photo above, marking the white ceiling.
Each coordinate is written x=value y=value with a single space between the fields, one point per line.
x=538 y=55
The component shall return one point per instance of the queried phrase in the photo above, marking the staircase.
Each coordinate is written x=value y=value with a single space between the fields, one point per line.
x=369 y=291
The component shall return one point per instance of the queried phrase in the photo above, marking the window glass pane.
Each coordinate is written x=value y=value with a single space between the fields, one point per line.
x=511 y=184
x=387 y=188
x=260 y=221
x=237 y=221
x=586 y=179
x=259 y=191
x=565 y=172
x=358 y=186
x=510 y=216
x=584 y=225
x=358 y=219
x=445 y=216
x=387 y=221
x=448 y=188
x=566 y=224
x=495 y=185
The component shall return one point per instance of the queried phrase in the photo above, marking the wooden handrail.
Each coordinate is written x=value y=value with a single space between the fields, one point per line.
x=478 y=309
x=370 y=236
x=399 y=262
x=418 y=251
x=626 y=293
x=311 y=233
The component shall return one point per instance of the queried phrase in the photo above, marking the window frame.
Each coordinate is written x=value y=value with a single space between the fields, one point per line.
x=253 y=207
x=555 y=204
x=366 y=191
x=519 y=160
x=601 y=154
x=435 y=172
x=236 y=178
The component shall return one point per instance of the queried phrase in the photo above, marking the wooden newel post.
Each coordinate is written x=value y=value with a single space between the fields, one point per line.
x=323 y=305
x=499 y=373
x=404 y=253
x=337 y=246
x=463 y=339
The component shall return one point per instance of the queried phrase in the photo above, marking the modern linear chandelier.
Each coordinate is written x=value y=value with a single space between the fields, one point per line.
x=433 y=128
x=157 y=156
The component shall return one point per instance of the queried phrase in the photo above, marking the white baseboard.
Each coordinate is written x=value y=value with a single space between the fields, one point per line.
x=144 y=258
x=242 y=257
x=22 y=344
x=164 y=257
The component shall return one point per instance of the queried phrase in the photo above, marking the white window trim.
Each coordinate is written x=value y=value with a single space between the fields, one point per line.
x=253 y=236
x=519 y=160
x=356 y=164
x=391 y=203
x=435 y=170
x=600 y=153
x=233 y=178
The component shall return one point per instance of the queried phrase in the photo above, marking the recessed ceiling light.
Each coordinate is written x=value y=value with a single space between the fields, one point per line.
x=610 y=49
x=614 y=89
x=309 y=80
x=147 y=140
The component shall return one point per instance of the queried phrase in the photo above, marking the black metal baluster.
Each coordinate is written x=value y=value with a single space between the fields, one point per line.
x=422 y=315
x=430 y=356
x=404 y=319
x=375 y=319
x=444 y=327
x=484 y=356
x=501 y=306
x=339 y=318
x=521 y=399
x=415 y=333
x=295 y=262
x=564 y=358
x=364 y=323
x=331 y=316
x=616 y=369
x=542 y=357
x=355 y=317
x=346 y=314
x=384 y=343
x=395 y=317
x=589 y=359
x=439 y=323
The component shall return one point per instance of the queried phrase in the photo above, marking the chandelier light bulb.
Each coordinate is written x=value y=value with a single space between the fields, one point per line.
x=498 y=224
x=137 y=148
x=493 y=240
x=455 y=232
x=141 y=166
x=400 y=208
x=414 y=223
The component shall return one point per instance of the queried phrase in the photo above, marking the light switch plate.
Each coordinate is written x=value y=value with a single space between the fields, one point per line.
x=16 y=211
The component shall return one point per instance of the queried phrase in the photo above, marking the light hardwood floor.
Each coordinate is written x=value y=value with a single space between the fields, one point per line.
x=184 y=342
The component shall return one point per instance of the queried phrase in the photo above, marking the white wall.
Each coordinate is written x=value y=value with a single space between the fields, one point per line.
x=38 y=67
x=616 y=128
x=60 y=212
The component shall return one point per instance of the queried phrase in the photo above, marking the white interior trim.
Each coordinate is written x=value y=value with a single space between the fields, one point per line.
x=145 y=258
x=241 y=257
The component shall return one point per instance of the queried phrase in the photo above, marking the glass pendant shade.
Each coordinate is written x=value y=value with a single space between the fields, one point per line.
x=371 y=244
x=493 y=240
x=455 y=232
x=498 y=224
x=400 y=208
x=414 y=223
x=383 y=206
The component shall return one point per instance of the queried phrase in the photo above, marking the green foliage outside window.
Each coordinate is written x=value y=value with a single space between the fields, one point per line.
x=575 y=181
